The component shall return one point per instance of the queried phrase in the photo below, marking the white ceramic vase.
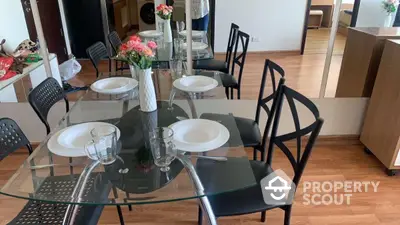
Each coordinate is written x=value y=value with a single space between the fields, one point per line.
x=389 y=20
x=147 y=94
x=167 y=31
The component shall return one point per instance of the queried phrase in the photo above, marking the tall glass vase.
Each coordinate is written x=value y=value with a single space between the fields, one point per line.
x=389 y=20
x=165 y=27
x=147 y=94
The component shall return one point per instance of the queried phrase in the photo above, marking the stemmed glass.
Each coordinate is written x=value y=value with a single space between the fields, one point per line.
x=162 y=148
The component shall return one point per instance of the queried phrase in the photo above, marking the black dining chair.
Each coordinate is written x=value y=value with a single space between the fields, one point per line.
x=44 y=96
x=116 y=42
x=218 y=65
x=96 y=53
x=228 y=79
x=250 y=200
x=248 y=128
x=11 y=139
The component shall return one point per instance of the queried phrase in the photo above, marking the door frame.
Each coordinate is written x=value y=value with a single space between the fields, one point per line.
x=353 y=23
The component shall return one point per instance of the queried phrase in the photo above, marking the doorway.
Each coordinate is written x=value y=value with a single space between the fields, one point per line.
x=318 y=23
x=52 y=26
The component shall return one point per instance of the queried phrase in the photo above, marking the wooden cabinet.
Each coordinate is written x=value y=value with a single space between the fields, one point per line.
x=121 y=16
x=381 y=130
x=361 y=59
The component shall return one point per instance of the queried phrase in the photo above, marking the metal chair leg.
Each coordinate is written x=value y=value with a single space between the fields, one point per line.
x=121 y=217
x=238 y=93
x=263 y=216
x=200 y=216
x=288 y=212
x=227 y=92
x=232 y=93
x=254 y=154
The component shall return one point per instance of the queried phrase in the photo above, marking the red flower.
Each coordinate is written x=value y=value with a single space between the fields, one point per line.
x=123 y=47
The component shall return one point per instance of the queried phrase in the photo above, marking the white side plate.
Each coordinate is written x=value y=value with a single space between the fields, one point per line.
x=114 y=85
x=150 y=33
x=196 y=46
x=195 y=83
x=199 y=135
x=195 y=33
x=70 y=141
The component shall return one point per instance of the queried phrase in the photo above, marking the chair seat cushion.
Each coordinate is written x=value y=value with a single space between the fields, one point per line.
x=211 y=64
x=248 y=128
x=245 y=201
x=229 y=80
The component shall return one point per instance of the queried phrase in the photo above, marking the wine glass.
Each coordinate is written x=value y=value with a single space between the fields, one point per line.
x=162 y=148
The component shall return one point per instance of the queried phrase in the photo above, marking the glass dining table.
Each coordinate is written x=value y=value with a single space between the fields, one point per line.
x=134 y=178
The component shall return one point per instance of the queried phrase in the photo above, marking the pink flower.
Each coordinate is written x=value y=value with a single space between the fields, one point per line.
x=166 y=12
x=135 y=38
x=151 y=45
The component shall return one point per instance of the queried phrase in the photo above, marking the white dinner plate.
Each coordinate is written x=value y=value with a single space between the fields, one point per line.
x=70 y=141
x=199 y=135
x=114 y=85
x=195 y=83
x=195 y=33
x=196 y=46
x=150 y=34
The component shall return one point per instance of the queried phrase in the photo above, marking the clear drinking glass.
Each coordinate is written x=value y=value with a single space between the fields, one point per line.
x=105 y=143
x=90 y=150
x=162 y=148
x=178 y=42
x=180 y=26
x=176 y=66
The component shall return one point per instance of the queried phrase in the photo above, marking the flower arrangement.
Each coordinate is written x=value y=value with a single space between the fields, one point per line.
x=164 y=11
x=134 y=52
x=390 y=6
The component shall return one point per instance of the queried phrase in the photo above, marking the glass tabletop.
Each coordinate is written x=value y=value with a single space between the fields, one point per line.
x=176 y=49
x=134 y=178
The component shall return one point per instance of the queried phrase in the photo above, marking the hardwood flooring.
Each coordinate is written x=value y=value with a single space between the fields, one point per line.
x=303 y=72
x=339 y=161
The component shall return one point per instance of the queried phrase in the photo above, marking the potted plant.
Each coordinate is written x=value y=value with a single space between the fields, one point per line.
x=164 y=12
x=140 y=56
x=390 y=7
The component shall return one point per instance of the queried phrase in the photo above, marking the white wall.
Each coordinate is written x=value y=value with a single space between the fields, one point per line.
x=278 y=25
x=12 y=24
x=371 y=14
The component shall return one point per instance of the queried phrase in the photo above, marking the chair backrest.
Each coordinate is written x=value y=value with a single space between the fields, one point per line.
x=270 y=67
x=115 y=41
x=240 y=59
x=11 y=138
x=298 y=160
x=96 y=53
x=231 y=43
x=44 y=96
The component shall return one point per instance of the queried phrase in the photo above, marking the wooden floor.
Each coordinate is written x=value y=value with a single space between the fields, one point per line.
x=303 y=72
x=328 y=162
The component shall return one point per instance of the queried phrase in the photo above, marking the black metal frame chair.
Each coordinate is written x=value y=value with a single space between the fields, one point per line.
x=248 y=128
x=228 y=80
x=250 y=200
x=222 y=66
x=44 y=96
x=96 y=53
x=116 y=42
x=35 y=212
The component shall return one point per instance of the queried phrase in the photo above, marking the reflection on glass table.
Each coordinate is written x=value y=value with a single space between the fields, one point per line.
x=134 y=177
